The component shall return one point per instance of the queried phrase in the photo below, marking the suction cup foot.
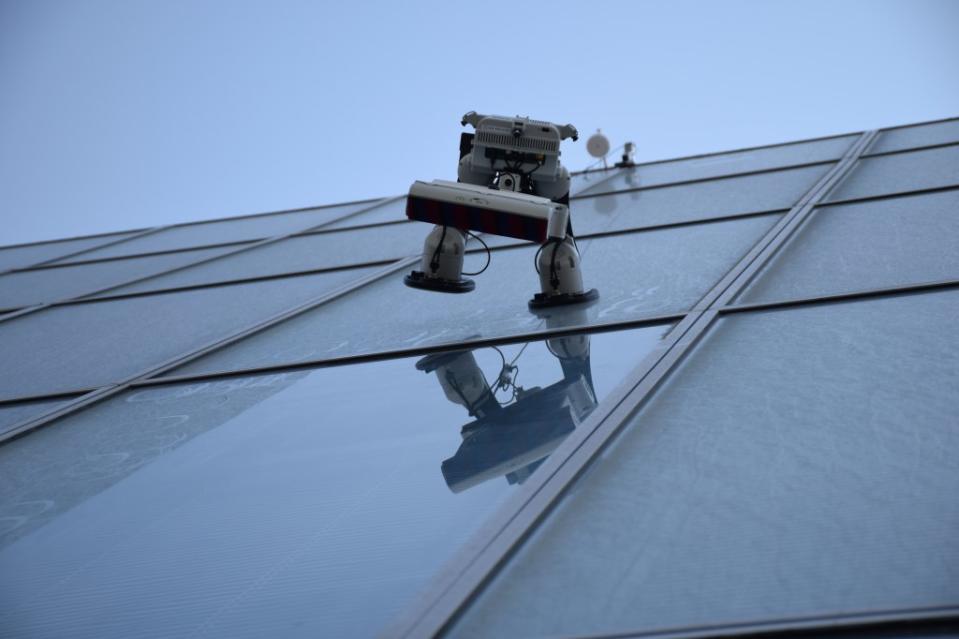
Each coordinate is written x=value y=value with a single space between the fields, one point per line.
x=543 y=300
x=418 y=279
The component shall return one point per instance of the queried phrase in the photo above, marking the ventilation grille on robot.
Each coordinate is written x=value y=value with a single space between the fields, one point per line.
x=535 y=144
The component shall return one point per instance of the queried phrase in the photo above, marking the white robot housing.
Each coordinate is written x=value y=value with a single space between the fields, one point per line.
x=510 y=183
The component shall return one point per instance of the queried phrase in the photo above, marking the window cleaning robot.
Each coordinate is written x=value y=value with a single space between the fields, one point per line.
x=510 y=183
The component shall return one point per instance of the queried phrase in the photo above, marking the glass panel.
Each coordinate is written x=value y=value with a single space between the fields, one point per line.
x=394 y=211
x=887 y=174
x=25 y=288
x=301 y=253
x=877 y=244
x=13 y=414
x=700 y=200
x=30 y=254
x=587 y=181
x=800 y=462
x=638 y=275
x=285 y=504
x=709 y=166
x=919 y=135
x=224 y=231
x=78 y=346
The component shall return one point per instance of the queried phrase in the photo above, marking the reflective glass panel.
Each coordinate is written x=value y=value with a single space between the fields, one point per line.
x=875 y=244
x=77 y=346
x=584 y=182
x=709 y=166
x=30 y=254
x=25 y=288
x=298 y=254
x=900 y=172
x=802 y=462
x=223 y=231
x=700 y=200
x=393 y=211
x=638 y=275
x=311 y=503
x=13 y=414
x=919 y=135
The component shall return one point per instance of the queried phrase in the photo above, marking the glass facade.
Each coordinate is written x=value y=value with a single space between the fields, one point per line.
x=754 y=424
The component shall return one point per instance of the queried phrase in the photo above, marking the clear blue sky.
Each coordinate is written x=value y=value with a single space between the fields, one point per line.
x=117 y=114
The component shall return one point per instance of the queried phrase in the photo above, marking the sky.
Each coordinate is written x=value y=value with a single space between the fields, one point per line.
x=119 y=114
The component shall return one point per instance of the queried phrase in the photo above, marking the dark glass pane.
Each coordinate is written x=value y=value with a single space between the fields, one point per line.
x=638 y=275
x=876 y=244
x=311 y=503
x=392 y=211
x=223 y=231
x=298 y=254
x=13 y=414
x=709 y=166
x=801 y=462
x=700 y=200
x=919 y=135
x=25 y=288
x=86 y=345
x=900 y=172
x=27 y=255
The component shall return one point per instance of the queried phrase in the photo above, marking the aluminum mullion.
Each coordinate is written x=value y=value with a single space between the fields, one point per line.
x=911 y=149
x=83 y=297
x=516 y=338
x=652 y=320
x=477 y=564
x=871 y=625
x=119 y=240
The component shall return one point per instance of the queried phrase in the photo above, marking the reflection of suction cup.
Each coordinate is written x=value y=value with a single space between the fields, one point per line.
x=433 y=361
x=542 y=300
x=418 y=279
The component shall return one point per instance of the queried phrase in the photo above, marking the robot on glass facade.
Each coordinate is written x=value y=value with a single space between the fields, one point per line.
x=510 y=182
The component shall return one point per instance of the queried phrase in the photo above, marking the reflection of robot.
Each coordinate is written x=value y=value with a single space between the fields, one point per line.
x=510 y=183
x=512 y=437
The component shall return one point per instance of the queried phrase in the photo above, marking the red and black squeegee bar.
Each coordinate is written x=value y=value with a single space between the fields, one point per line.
x=473 y=218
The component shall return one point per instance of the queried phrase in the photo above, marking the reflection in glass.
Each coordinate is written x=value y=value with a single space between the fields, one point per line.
x=308 y=503
x=515 y=428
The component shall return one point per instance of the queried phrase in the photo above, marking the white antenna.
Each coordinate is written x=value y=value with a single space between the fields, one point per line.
x=598 y=145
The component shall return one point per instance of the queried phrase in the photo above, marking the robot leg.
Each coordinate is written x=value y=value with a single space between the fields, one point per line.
x=442 y=264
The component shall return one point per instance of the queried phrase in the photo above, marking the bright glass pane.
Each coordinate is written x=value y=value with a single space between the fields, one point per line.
x=638 y=275
x=876 y=244
x=30 y=254
x=700 y=200
x=311 y=503
x=13 y=414
x=801 y=462
x=900 y=172
x=585 y=182
x=394 y=211
x=919 y=135
x=299 y=254
x=710 y=166
x=224 y=231
x=25 y=288
x=77 y=346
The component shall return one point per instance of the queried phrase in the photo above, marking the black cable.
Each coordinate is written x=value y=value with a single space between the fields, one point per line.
x=435 y=260
x=488 y=254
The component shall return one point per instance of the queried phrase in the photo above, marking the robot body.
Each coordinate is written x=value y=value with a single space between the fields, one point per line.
x=510 y=183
